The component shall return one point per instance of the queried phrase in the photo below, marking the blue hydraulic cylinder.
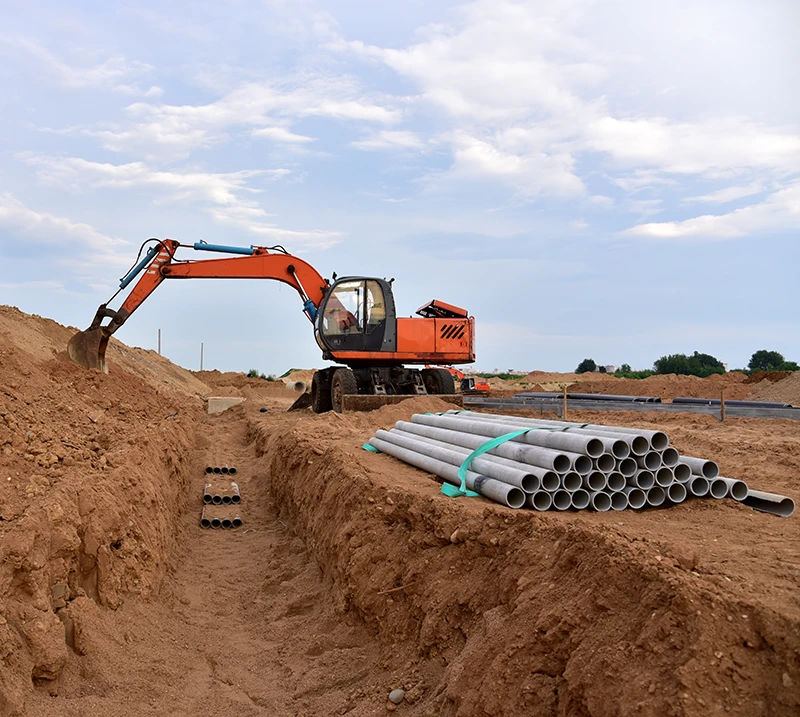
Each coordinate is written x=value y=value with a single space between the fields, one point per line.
x=309 y=309
x=200 y=246
x=131 y=275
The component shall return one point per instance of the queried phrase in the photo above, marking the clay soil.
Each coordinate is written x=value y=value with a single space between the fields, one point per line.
x=353 y=575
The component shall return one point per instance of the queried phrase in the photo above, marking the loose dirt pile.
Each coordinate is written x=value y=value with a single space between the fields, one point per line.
x=669 y=386
x=786 y=390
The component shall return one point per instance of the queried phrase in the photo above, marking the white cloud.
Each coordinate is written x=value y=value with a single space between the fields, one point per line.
x=390 y=139
x=221 y=192
x=180 y=129
x=279 y=134
x=109 y=74
x=84 y=243
x=728 y=194
x=779 y=212
x=645 y=207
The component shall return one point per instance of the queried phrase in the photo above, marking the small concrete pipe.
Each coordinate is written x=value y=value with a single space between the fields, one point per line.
x=701 y=467
x=737 y=489
x=562 y=500
x=207 y=497
x=698 y=486
x=232 y=471
x=580 y=499
x=682 y=472
x=636 y=497
x=540 y=500
x=627 y=466
x=581 y=464
x=209 y=469
x=548 y=480
x=642 y=479
x=498 y=491
x=613 y=443
x=215 y=522
x=226 y=523
x=676 y=493
x=595 y=481
x=205 y=521
x=558 y=441
x=664 y=477
x=557 y=461
x=670 y=457
x=522 y=480
x=605 y=463
x=650 y=460
x=236 y=497
x=770 y=503
x=615 y=481
x=226 y=499
x=224 y=470
x=571 y=481
x=217 y=470
x=619 y=501
x=600 y=501
x=656 y=496
x=216 y=499
x=237 y=521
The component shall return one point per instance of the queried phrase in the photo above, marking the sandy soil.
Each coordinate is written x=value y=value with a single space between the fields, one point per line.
x=353 y=575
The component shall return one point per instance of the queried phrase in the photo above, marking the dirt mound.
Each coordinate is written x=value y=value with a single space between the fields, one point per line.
x=771 y=376
x=669 y=386
x=84 y=457
x=513 y=613
x=554 y=377
x=239 y=384
x=786 y=390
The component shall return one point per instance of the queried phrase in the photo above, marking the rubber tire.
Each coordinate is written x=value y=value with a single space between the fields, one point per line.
x=343 y=384
x=438 y=380
x=321 y=392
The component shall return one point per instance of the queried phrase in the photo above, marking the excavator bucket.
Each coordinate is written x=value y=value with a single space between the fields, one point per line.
x=88 y=348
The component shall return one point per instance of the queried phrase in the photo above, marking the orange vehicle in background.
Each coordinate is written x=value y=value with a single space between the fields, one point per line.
x=468 y=384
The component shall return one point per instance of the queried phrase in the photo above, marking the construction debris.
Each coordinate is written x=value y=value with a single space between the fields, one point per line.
x=545 y=465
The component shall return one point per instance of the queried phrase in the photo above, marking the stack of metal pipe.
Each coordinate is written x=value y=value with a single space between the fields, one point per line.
x=556 y=465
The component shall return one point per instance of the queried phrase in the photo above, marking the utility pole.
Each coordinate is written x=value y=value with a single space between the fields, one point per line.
x=201 y=355
x=159 y=342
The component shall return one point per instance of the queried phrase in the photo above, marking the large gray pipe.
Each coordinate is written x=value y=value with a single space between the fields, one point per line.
x=555 y=440
x=651 y=461
x=717 y=488
x=676 y=493
x=619 y=501
x=548 y=480
x=540 y=500
x=562 y=500
x=670 y=457
x=698 y=486
x=580 y=499
x=770 y=503
x=658 y=439
x=627 y=466
x=737 y=489
x=656 y=496
x=496 y=490
x=616 y=444
x=595 y=481
x=571 y=481
x=521 y=479
x=615 y=481
x=664 y=477
x=642 y=479
x=701 y=467
x=682 y=472
x=557 y=461
x=605 y=463
x=601 y=502
x=636 y=496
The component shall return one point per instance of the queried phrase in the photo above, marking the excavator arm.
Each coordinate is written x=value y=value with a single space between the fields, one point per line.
x=88 y=348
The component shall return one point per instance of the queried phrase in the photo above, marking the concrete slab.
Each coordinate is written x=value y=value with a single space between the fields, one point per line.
x=218 y=404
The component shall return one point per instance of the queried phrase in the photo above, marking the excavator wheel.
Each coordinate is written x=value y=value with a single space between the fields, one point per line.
x=343 y=384
x=321 y=392
x=438 y=381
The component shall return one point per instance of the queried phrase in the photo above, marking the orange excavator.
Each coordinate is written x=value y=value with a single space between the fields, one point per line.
x=354 y=319
x=474 y=385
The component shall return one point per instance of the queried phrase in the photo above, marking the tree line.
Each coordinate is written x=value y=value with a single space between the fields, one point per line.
x=698 y=364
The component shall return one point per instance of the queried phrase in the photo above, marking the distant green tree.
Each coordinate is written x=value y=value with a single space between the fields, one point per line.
x=789 y=366
x=586 y=366
x=697 y=364
x=602 y=369
x=252 y=373
x=766 y=361
x=625 y=368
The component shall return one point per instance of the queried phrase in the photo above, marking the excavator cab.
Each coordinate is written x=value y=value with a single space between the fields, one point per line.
x=357 y=314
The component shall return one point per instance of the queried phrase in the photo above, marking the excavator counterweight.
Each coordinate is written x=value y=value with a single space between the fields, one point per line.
x=355 y=324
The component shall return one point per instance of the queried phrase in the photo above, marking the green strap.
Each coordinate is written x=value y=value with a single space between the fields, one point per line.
x=371 y=449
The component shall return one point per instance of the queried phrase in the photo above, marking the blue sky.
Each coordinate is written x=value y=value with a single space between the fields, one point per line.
x=615 y=180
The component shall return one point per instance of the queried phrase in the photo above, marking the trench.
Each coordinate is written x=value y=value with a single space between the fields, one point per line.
x=352 y=576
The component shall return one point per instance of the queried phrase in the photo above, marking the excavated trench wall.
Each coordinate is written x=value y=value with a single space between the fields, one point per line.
x=512 y=613
x=94 y=470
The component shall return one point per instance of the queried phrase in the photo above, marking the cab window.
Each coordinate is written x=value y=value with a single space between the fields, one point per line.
x=344 y=311
x=376 y=305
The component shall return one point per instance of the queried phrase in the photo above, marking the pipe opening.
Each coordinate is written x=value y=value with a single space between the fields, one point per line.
x=620 y=449
x=529 y=483
x=650 y=460
x=594 y=448
x=216 y=499
x=583 y=465
x=232 y=471
x=206 y=498
x=664 y=477
x=636 y=497
x=698 y=486
x=619 y=501
x=217 y=470
x=209 y=469
x=237 y=522
x=561 y=500
x=226 y=500
x=224 y=470
x=571 y=482
x=669 y=456
x=580 y=499
x=615 y=481
x=541 y=500
x=718 y=488
x=236 y=498
x=601 y=502
x=215 y=522
x=676 y=493
x=659 y=441
x=639 y=445
x=605 y=463
x=643 y=479
x=205 y=522
x=682 y=472
x=561 y=463
x=550 y=481
x=226 y=523
x=627 y=466
x=515 y=498
x=656 y=496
